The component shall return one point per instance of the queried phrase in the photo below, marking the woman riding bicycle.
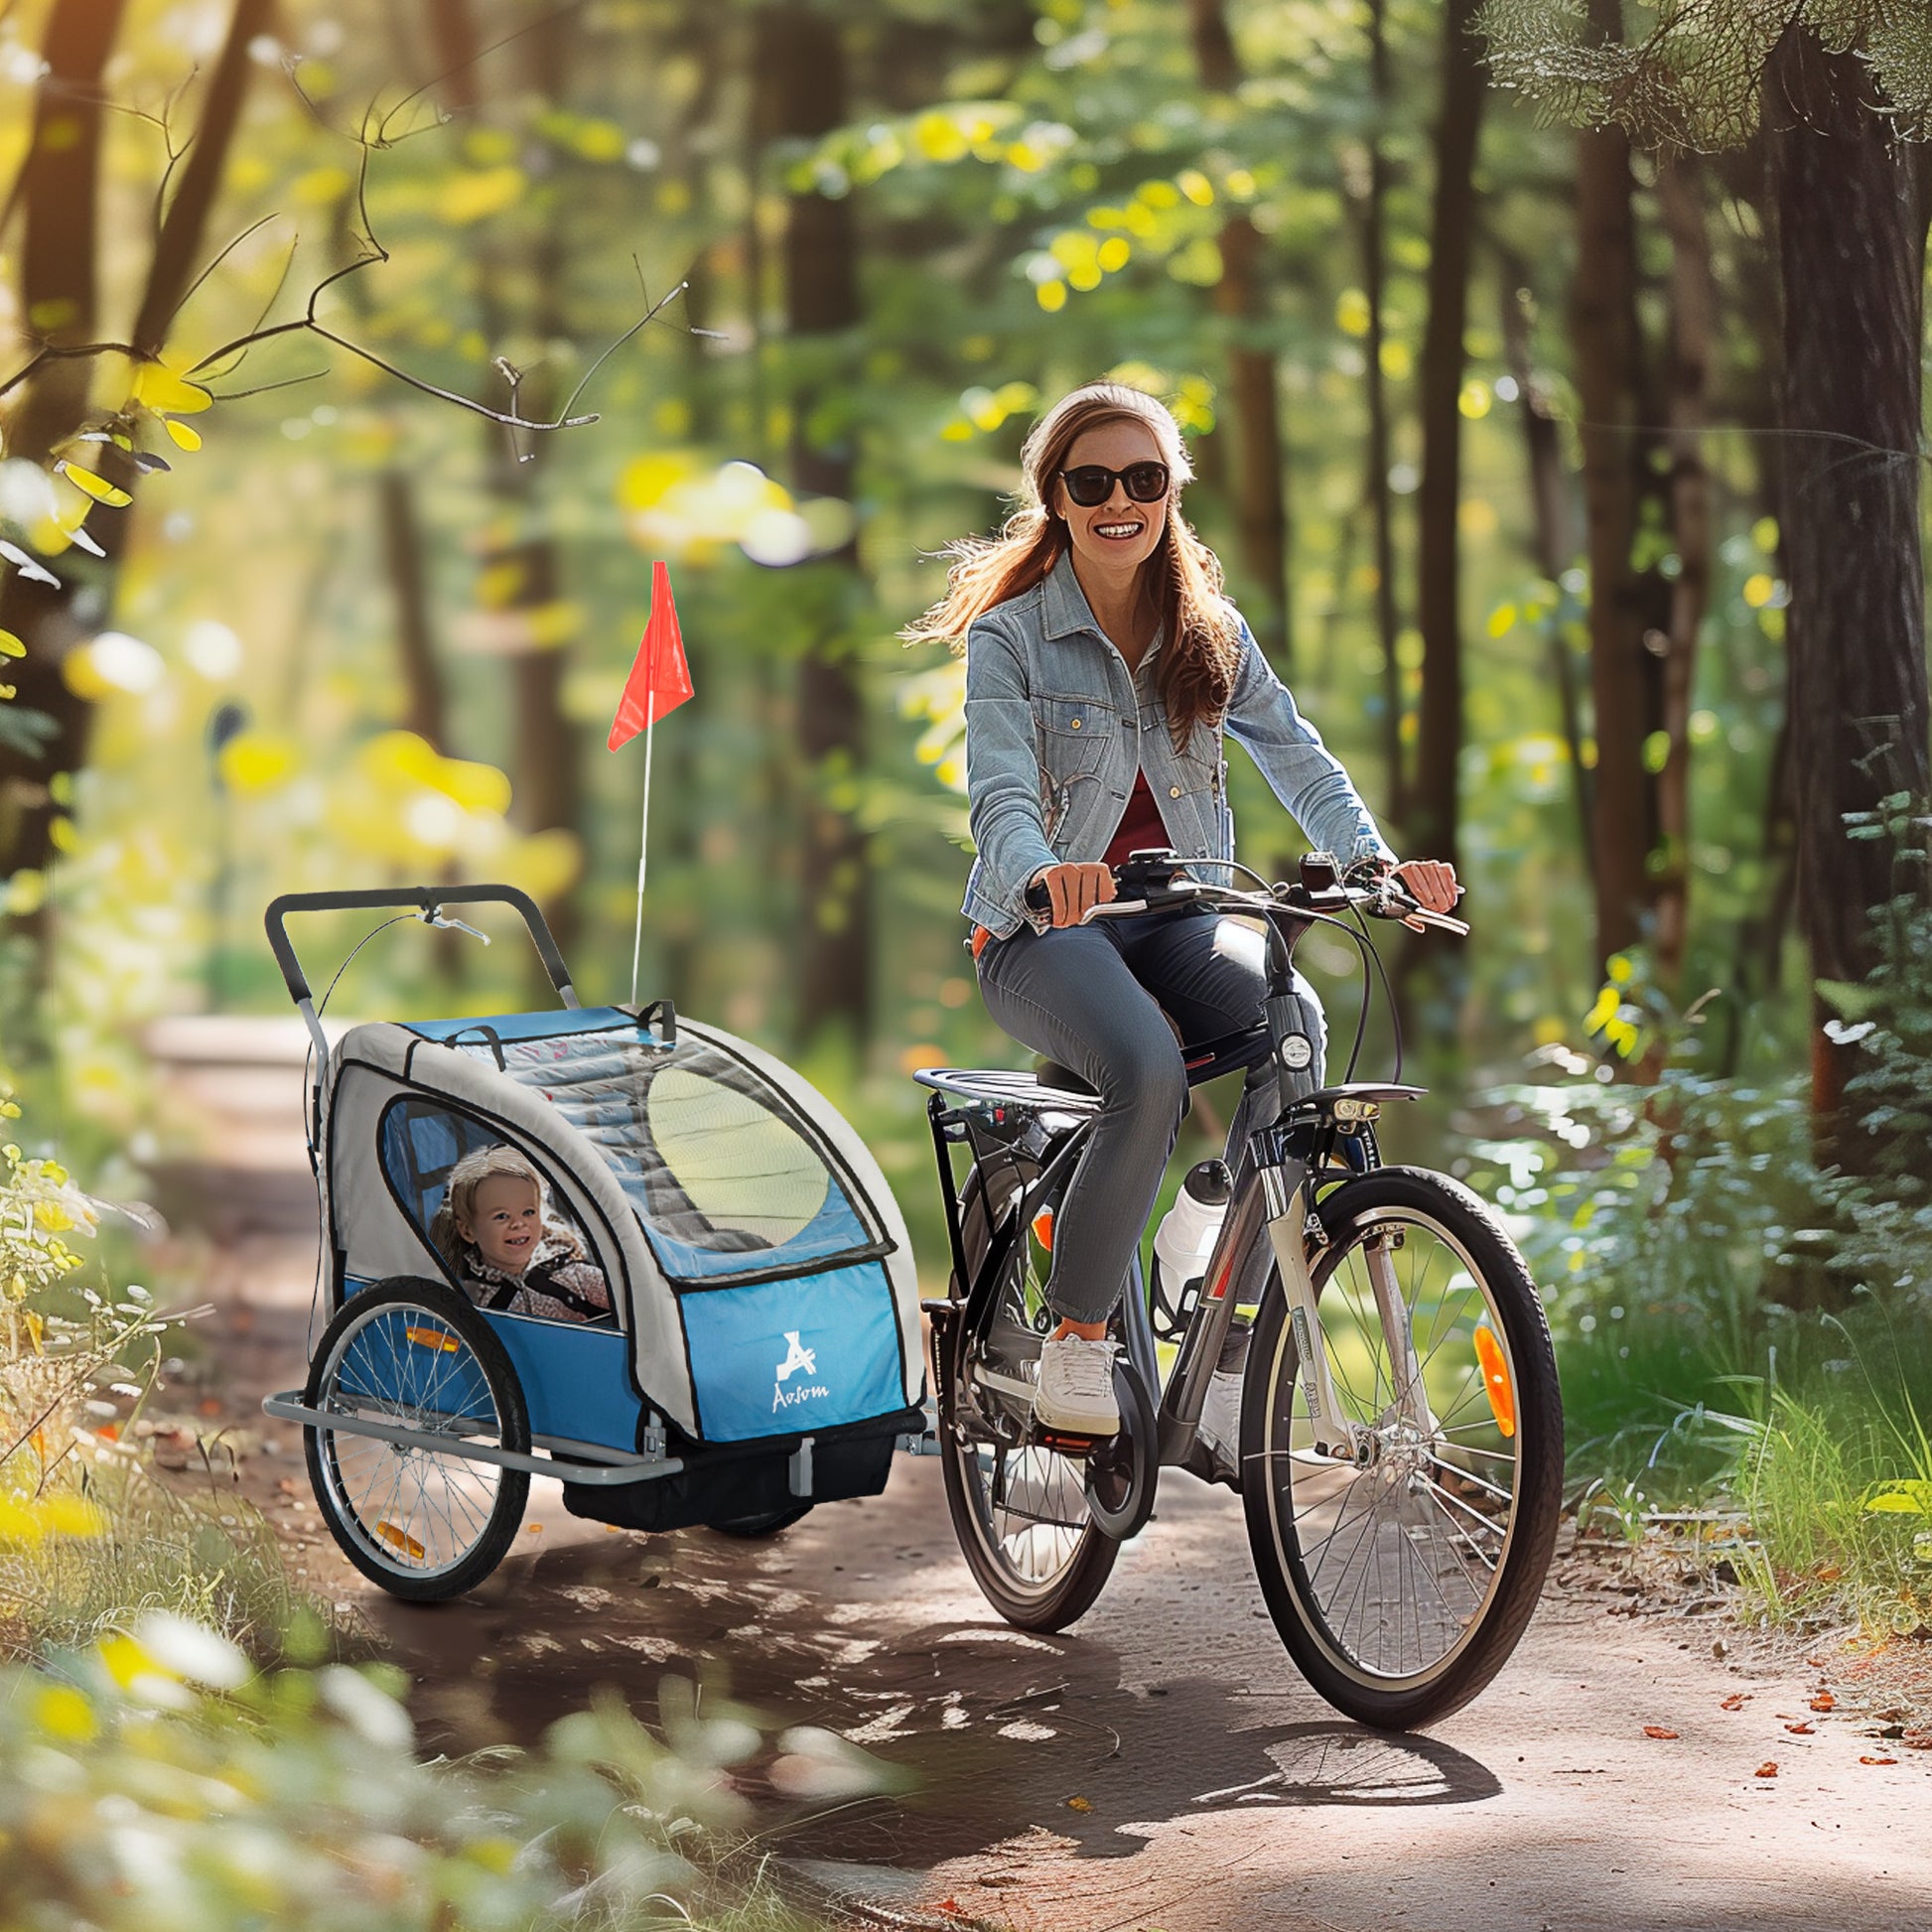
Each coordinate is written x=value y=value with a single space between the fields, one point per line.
x=1103 y=666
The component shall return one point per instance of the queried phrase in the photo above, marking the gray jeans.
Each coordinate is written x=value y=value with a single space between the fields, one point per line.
x=1094 y=998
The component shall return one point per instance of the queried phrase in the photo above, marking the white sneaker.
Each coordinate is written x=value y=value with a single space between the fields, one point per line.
x=1077 y=1387
x=1220 y=1417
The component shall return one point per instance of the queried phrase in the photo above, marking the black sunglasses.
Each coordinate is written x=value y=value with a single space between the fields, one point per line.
x=1092 y=482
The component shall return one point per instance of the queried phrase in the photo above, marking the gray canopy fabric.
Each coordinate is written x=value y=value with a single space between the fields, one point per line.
x=700 y=1166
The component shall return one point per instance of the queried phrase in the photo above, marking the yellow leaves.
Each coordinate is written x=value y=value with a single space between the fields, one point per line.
x=61 y=1713
x=10 y=646
x=479 y=194
x=1195 y=187
x=30 y=1521
x=1474 y=399
x=158 y=387
x=546 y=864
x=253 y=763
x=936 y=136
x=320 y=187
x=183 y=435
x=51 y=1218
x=110 y=663
x=400 y=760
x=1052 y=296
x=986 y=409
x=1910 y=1497
x=1353 y=312
x=1113 y=253
x=1502 y=621
x=96 y=486
x=1759 y=587
x=649 y=480
x=1614 y=1019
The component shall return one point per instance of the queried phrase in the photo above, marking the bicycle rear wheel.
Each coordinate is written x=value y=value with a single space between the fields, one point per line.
x=1020 y=1512
x=1401 y=1578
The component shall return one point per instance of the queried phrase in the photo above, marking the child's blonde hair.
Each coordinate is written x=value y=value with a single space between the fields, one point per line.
x=460 y=1199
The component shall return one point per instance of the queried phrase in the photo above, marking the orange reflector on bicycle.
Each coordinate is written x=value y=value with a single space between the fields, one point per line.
x=402 y=1540
x=1043 y=1228
x=434 y=1339
x=1495 y=1380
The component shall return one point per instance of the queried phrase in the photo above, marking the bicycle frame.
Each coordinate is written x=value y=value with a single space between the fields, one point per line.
x=1275 y=1194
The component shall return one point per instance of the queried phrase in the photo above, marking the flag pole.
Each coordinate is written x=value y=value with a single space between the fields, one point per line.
x=643 y=848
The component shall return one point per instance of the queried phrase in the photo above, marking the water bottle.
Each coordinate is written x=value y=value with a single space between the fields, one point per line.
x=1186 y=1237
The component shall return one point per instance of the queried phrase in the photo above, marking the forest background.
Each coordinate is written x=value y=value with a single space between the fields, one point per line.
x=1554 y=381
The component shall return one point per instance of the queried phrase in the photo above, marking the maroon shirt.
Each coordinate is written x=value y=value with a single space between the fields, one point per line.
x=1141 y=828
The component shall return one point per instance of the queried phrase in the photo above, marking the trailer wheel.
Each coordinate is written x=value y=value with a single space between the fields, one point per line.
x=425 y=1517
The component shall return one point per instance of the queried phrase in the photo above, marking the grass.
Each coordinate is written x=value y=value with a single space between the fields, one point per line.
x=1820 y=1449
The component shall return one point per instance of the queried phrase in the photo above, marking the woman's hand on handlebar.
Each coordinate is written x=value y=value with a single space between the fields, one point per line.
x=1072 y=891
x=1432 y=884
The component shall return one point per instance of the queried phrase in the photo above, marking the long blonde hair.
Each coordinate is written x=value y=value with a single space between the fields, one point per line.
x=458 y=1203
x=1196 y=673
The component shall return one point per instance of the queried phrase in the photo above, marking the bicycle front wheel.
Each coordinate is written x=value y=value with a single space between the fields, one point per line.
x=1401 y=1573
x=1020 y=1512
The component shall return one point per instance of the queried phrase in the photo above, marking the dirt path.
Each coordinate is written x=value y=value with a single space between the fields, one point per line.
x=1163 y=1766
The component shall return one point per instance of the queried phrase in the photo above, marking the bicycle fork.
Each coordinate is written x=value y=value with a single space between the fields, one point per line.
x=1286 y=1198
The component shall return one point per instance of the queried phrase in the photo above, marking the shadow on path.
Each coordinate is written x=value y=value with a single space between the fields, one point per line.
x=1002 y=1732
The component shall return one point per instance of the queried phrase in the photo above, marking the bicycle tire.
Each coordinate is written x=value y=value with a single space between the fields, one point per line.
x=1068 y=1589
x=1413 y=1487
x=366 y=1356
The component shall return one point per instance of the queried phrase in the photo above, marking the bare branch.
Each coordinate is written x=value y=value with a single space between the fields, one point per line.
x=415 y=94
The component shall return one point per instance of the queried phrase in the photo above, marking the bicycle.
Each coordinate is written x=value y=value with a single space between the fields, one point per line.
x=1400 y=1448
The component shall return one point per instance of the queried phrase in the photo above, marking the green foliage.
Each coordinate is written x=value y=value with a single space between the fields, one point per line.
x=157 y=1783
x=1686 y=1240
x=89 y=1537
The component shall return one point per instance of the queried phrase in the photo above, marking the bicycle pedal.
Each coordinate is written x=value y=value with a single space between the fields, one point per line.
x=1067 y=1445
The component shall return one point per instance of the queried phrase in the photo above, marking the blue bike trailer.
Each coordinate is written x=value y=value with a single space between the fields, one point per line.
x=762 y=1280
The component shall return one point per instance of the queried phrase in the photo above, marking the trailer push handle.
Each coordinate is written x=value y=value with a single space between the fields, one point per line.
x=424 y=900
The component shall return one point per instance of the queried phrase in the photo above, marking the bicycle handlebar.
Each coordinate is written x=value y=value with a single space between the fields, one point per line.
x=1332 y=892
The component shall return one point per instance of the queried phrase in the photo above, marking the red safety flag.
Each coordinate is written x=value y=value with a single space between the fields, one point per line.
x=660 y=679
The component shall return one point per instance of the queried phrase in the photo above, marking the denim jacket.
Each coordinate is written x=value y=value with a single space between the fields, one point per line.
x=1057 y=726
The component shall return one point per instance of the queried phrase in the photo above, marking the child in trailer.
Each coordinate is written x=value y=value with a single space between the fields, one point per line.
x=506 y=1251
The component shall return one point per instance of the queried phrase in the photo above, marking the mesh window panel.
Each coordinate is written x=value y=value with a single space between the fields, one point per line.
x=729 y=1178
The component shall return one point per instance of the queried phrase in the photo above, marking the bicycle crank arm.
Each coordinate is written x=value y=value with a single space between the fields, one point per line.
x=1287 y=1205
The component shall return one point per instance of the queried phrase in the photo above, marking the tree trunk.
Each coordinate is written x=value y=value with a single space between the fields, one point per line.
x=546 y=759
x=1851 y=226
x=802 y=71
x=1434 y=820
x=1693 y=301
x=1609 y=359
x=1380 y=504
x=1258 y=482
x=58 y=189
x=1555 y=539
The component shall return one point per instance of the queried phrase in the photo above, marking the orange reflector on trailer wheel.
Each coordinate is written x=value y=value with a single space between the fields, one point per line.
x=1043 y=1228
x=401 y=1539
x=434 y=1339
x=1495 y=1380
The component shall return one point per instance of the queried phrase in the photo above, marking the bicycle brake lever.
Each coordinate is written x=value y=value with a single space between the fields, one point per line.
x=437 y=916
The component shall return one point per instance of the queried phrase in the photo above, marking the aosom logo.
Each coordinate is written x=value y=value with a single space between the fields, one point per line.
x=797 y=1357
